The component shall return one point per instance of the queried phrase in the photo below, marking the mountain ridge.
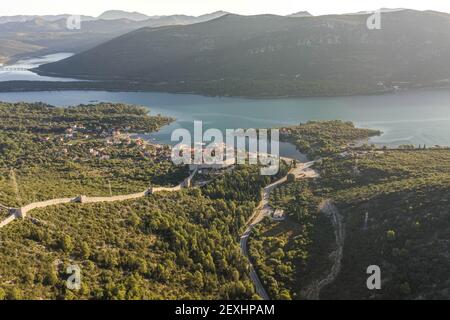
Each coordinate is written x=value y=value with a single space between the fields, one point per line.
x=51 y=35
x=412 y=47
x=120 y=14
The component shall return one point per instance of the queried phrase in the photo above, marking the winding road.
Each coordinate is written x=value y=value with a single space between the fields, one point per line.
x=301 y=170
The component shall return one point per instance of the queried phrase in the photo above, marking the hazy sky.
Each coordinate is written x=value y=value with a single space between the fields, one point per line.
x=197 y=7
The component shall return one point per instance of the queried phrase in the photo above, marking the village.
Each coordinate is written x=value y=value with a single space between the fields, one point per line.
x=103 y=143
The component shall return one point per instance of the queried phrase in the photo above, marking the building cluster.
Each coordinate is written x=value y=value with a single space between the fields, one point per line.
x=101 y=153
x=76 y=131
x=351 y=154
x=279 y=215
x=111 y=138
x=217 y=161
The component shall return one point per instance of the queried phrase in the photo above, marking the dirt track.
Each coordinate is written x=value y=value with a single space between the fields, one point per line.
x=313 y=291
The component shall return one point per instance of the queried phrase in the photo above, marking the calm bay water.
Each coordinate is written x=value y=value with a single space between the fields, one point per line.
x=19 y=70
x=416 y=117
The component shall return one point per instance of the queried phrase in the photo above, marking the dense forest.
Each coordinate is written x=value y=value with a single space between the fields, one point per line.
x=395 y=206
x=171 y=246
x=291 y=254
x=44 y=118
x=396 y=211
x=325 y=138
x=166 y=246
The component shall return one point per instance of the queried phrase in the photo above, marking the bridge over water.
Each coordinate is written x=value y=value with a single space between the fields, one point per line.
x=16 y=68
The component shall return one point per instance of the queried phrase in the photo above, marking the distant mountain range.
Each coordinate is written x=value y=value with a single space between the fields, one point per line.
x=300 y=14
x=107 y=15
x=24 y=35
x=382 y=10
x=276 y=55
x=24 y=18
x=118 y=14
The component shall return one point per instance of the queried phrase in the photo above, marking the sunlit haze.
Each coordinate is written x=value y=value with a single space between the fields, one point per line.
x=197 y=7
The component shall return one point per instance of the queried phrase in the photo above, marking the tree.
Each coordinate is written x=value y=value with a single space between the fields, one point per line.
x=51 y=278
x=69 y=295
x=85 y=250
x=14 y=294
x=67 y=244
x=134 y=220
x=390 y=235
x=405 y=289
x=198 y=280
x=284 y=295
x=235 y=275
x=290 y=177
x=28 y=276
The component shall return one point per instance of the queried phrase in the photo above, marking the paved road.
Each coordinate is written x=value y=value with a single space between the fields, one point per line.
x=263 y=210
x=253 y=275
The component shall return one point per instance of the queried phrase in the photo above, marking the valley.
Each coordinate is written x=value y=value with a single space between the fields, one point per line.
x=94 y=204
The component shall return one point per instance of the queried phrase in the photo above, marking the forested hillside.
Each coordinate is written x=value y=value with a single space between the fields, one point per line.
x=166 y=246
x=269 y=55
x=397 y=211
x=169 y=246
x=396 y=214
x=394 y=205
x=325 y=138
x=48 y=152
x=24 y=36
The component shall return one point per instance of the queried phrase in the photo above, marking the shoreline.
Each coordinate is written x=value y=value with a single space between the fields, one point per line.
x=110 y=86
x=292 y=100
